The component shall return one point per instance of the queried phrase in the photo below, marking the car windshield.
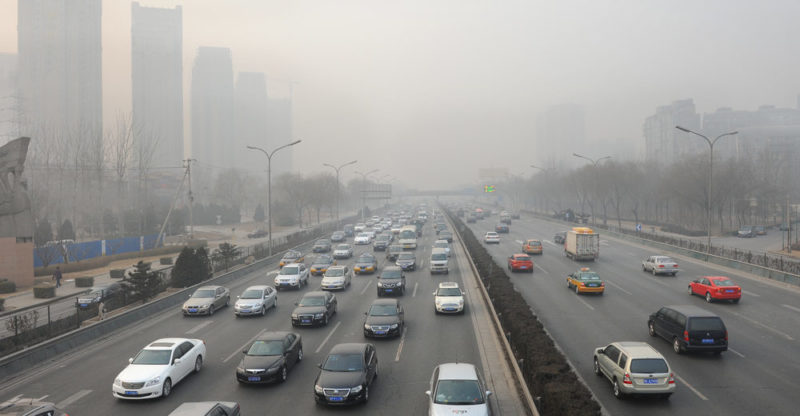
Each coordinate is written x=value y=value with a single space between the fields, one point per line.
x=534 y=243
x=449 y=291
x=291 y=255
x=344 y=362
x=589 y=276
x=408 y=234
x=290 y=270
x=382 y=237
x=203 y=293
x=744 y=229
x=706 y=324
x=649 y=365
x=363 y=235
x=252 y=294
x=491 y=234
x=405 y=256
x=723 y=282
x=343 y=247
x=391 y=274
x=323 y=260
x=95 y=294
x=664 y=260
x=262 y=348
x=382 y=310
x=334 y=273
x=439 y=256
x=522 y=258
x=366 y=259
x=312 y=301
x=323 y=242
x=458 y=392
x=152 y=357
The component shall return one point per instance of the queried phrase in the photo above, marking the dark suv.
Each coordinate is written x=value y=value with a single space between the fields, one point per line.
x=97 y=294
x=315 y=308
x=392 y=280
x=689 y=328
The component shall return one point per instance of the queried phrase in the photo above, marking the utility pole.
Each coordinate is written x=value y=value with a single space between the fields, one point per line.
x=188 y=166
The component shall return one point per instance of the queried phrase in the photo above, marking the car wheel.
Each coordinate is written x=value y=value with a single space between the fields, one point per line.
x=211 y=310
x=325 y=322
x=735 y=300
x=228 y=301
x=263 y=310
x=651 y=329
x=709 y=299
x=300 y=354
x=166 y=388
x=676 y=345
x=569 y=285
x=198 y=364
x=653 y=271
x=597 y=367
x=284 y=374
x=617 y=392
x=644 y=269
x=665 y=396
x=366 y=393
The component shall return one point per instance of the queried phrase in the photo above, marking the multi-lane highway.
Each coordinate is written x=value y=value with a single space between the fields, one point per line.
x=757 y=375
x=81 y=382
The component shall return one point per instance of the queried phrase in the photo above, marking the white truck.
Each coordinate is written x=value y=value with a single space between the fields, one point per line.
x=582 y=243
x=408 y=237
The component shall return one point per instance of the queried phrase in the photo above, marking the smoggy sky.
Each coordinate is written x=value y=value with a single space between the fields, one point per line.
x=430 y=90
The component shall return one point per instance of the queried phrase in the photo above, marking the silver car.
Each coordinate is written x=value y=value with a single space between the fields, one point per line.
x=256 y=300
x=336 y=277
x=457 y=389
x=660 y=265
x=634 y=368
x=207 y=409
x=207 y=299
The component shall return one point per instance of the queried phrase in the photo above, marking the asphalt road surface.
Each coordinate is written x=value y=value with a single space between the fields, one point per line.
x=81 y=382
x=757 y=375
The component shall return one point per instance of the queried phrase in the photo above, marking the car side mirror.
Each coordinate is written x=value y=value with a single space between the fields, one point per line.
x=295 y=304
x=244 y=351
x=319 y=365
x=601 y=351
x=176 y=361
x=434 y=293
x=428 y=393
x=130 y=360
x=463 y=293
x=365 y=313
x=488 y=393
x=238 y=297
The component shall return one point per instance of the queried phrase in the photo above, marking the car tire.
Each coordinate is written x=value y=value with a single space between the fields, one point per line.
x=735 y=300
x=654 y=271
x=665 y=396
x=198 y=364
x=644 y=269
x=263 y=310
x=228 y=301
x=366 y=392
x=676 y=345
x=569 y=285
x=166 y=388
x=284 y=375
x=211 y=310
x=617 y=391
x=709 y=299
x=691 y=292
x=325 y=322
x=300 y=355
x=651 y=329
x=597 y=368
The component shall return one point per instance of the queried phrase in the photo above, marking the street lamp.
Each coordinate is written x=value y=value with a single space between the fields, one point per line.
x=710 y=175
x=594 y=162
x=337 y=184
x=269 y=185
x=364 y=190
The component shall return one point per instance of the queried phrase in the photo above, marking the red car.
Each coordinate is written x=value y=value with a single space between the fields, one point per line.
x=520 y=262
x=716 y=288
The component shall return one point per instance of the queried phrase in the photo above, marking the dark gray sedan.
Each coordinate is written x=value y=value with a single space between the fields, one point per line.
x=270 y=357
x=315 y=308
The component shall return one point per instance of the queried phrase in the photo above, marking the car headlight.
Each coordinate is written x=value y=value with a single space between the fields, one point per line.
x=366 y=326
x=153 y=382
x=240 y=369
x=438 y=301
x=393 y=326
x=294 y=316
x=461 y=301
x=319 y=315
x=318 y=388
x=356 y=389
x=380 y=284
x=204 y=306
x=117 y=382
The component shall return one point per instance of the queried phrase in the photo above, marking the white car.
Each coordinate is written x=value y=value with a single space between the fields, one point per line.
x=491 y=238
x=336 y=277
x=396 y=228
x=159 y=366
x=442 y=244
x=457 y=389
x=359 y=227
x=448 y=298
x=343 y=251
x=362 y=238
x=292 y=276
x=256 y=300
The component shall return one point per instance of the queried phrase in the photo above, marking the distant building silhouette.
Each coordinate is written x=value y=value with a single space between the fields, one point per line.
x=664 y=144
x=157 y=83
x=250 y=120
x=279 y=132
x=60 y=67
x=561 y=130
x=9 y=98
x=212 y=109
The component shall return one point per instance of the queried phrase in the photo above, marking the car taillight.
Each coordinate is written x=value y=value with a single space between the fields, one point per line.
x=686 y=336
x=671 y=378
x=661 y=265
x=627 y=379
x=602 y=284
x=674 y=265
x=726 y=335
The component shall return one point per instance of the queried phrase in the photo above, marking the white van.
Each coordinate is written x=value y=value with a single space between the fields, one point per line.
x=439 y=261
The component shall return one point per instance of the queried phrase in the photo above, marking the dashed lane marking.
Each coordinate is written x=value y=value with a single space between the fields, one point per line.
x=551 y=243
x=72 y=399
x=402 y=342
x=199 y=327
x=328 y=337
x=364 y=290
x=619 y=287
x=735 y=352
x=685 y=383
x=413 y=295
x=783 y=334
x=749 y=293
x=584 y=302
x=540 y=268
x=791 y=307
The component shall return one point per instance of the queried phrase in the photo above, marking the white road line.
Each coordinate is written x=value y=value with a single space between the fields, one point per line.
x=749 y=293
x=328 y=337
x=584 y=302
x=618 y=287
x=540 y=268
x=735 y=352
x=783 y=334
x=791 y=307
x=518 y=241
x=400 y=347
x=43 y=397
x=199 y=327
x=551 y=243
x=603 y=242
x=413 y=295
x=364 y=290
x=72 y=399
x=700 y=395
x=13 y=399
x=421 y=264
x=240 y=349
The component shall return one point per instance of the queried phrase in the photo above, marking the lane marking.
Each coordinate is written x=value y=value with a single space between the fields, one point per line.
x=43 y=397
x=402 y=341
x=735 y=352
x=749 y=293
x=603 y=242
x=518 y=241
x=13 y=399
x=421 y=264
x=328 y=337
x=783 y=334
x=584 y=302
x=72 y=399
x=791 y=307
x=413 y=295
x=551 y=243
x=240 y=349
x=618 y=287
x=199 y=327
x=700 y=395
x=540 y=268
x=365 y=287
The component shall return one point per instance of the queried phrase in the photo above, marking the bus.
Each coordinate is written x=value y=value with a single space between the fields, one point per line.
x=408 y=237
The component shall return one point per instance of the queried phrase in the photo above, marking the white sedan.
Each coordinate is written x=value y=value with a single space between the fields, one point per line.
x=491 y=238
x=363 y=238
x=159 y=366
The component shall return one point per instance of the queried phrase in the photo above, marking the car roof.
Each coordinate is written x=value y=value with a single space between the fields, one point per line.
x=315 y=294
x=457 y=371
x=350 y=347
x=257 y=287
x=534 y=240
x=441 y=242
x=717 y=277
x=438 y=250
x=274 y=335
x=691 y=310
x=169 y=343
x=339 y=266
x=212 y=287
x=390 y=268
x=385 y=302
x=445 y=285
x=196 y=408
x=520 y=255
x=291 y=264
x=636 y=349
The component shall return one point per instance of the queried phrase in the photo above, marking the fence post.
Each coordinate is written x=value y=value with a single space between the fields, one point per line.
x=16 y=326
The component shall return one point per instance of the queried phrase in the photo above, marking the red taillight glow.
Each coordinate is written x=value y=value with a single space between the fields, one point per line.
x=627 y=379
x=603 y=284
x=686 y=336
x=675 y=265
x=661 y=265
x=671 y=378
x=726 y=335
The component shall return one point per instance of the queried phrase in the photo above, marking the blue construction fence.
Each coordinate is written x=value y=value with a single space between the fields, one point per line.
x=74 y=252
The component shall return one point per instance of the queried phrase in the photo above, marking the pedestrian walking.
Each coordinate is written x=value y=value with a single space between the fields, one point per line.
x=57 y=276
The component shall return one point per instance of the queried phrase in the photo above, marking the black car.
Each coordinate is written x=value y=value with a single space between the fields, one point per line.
x=560 y=238
x=270 y=357
x=392 y=280
x=406 y=260
x=446 y=235
x=315 y=308
x=385 y=318
x=97 y=294
x=501 y=228
x=349 y=230
x=322 y=245
x=689 y=328
x=258 y=234
x=392 y=251
x=382 y=241
x=346 y=375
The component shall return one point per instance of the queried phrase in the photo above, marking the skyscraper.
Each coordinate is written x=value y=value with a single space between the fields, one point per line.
x=9 y=100
x=664 y=144
x=60 y=67
x=250 y=120
x=212 y=108
x=279 y=132
x=157 y=83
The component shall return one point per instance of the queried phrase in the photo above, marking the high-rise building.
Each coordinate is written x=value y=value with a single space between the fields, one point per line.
x=9 y=100
x=757 y=129
x=212 y=108
x=561 y=131
x=157 y=83
x=664 y=144
x=279 y=132
x=60 y=67
x=250 y=120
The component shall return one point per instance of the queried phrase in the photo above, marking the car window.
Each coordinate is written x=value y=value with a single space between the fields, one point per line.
x=287 y=344
x=704 y=281
x=383 y=310
x=612 y=353
x=723 y=282
x=152 y=357
x=186 y=347
x=648 y=365
x=671 y=315
x=265 y=348
x=623 y=359
x=312 y=301
x=706 y=324
x=217 y=411
x=203 y=293
x=291 y=338
x=252 y=294
x=343 y=362
x=681 y=319
x=458 y=392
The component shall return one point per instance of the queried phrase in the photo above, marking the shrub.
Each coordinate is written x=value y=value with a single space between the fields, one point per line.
x=165 y=260
x=117 y=273
x=7 y=286
x=192 y=267
x=44 y=291
x=84 y=281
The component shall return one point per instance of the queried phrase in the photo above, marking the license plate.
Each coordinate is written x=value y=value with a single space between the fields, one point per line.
x=335 y=399
x=730 y=290
x=380 y=332
x=592 y=285
x=83 y=305
x=306 y=321
x=388 y=290
x=253 y=378
x=449 y=309
x=245 y=311
x=650 y=381
x=284 y=284
x=708 y=341
x=130 y=393
x=523 y=267
x=193 y=310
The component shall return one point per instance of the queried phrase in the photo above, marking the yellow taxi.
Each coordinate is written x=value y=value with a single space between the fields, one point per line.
x=532 y=247
x=586 y=281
